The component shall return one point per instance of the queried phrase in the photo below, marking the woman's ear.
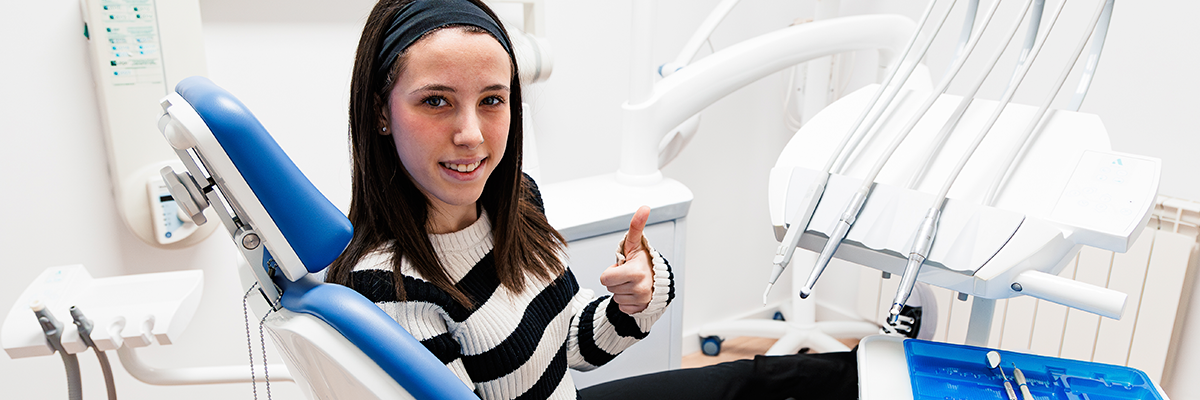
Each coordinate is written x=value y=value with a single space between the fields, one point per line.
x=381 y=109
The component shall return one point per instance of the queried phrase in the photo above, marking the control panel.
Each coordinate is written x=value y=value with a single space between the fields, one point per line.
x=1108 y=199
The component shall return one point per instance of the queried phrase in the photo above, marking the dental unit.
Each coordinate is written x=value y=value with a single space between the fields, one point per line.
x=925 y=235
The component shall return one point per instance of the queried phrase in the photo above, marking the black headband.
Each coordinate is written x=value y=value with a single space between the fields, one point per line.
x=416 y=19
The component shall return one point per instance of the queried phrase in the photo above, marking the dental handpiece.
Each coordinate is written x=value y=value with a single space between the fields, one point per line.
x=53 y=330
x=1025 y=394
x=916 y=258
x=839 y=232
x=85 y=326
x=791 y=239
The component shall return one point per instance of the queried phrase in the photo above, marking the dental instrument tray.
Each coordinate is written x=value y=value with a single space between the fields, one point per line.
x=952 y=371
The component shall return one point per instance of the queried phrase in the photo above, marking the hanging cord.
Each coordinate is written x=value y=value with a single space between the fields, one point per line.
x=84 y=326
x=263 y=343
x=249 y=341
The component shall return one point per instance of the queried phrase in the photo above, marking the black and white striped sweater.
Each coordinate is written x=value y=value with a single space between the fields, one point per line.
x=512 y=345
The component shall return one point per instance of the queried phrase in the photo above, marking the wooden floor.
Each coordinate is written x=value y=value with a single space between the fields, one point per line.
x=738 y=348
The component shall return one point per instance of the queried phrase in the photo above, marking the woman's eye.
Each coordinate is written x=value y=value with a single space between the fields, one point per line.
x=492 y=101
x=435 y=101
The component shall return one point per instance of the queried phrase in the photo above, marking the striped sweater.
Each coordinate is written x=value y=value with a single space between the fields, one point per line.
x=512 y=345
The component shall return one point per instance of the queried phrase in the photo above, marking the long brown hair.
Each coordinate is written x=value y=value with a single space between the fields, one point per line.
x=390 y=214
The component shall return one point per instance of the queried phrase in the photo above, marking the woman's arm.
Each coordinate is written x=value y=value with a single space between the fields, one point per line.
x=600 y=328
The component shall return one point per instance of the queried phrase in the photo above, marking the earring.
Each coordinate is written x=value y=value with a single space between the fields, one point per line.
x=385 y=129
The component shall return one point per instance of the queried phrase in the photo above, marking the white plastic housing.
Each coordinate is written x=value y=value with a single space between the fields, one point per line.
x=138 y=52
x=117 y=306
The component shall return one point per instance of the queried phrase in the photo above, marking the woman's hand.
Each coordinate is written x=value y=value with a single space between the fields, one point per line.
x=631 y=280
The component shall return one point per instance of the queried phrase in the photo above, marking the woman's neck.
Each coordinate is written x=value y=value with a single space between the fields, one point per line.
x=451 y=219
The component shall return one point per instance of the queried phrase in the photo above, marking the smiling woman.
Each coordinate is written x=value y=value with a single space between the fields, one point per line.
x=450 y=125
x=450 y=238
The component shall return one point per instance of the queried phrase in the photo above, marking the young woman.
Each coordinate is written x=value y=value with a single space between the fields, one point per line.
x=451 y=240
x=450 y=237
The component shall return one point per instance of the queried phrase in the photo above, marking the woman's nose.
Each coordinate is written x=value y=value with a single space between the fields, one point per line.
x=470 y=133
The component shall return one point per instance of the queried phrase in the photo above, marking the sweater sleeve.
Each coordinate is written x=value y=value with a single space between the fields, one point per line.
x=600 y=330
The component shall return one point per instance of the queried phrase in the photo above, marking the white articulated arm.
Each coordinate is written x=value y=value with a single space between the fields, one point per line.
x=688 y=91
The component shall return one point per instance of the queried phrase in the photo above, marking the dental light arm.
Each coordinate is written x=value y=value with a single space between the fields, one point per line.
x=843 y=225
x=916 y=259
x=803 y=214
x=659 y=107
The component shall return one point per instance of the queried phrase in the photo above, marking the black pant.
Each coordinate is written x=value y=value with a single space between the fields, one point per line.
x=800 y=376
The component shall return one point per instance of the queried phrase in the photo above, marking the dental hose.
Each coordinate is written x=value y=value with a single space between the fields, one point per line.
x=799 y=222
x=52 y=328
x=84 y=326
x=843 y=225
x=993 y=190
x=926 y=232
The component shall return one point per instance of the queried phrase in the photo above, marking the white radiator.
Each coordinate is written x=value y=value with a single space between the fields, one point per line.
x=1155 y=273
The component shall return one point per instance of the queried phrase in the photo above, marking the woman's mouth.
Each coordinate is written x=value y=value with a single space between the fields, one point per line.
x=464 y=168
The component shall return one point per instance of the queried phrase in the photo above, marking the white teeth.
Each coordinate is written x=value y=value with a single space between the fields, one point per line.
x=462 y=167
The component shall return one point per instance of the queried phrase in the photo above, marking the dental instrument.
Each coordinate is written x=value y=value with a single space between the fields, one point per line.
x=53 y=330
x=84 y=326
x=852 y=209
x=925 y=235
x=802 y=215
x=993 y=359
x=1020 y=377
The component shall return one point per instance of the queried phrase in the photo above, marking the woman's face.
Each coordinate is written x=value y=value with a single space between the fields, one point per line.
x=449 y=117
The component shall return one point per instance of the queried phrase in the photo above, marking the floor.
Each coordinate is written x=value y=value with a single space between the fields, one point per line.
x=738 y=348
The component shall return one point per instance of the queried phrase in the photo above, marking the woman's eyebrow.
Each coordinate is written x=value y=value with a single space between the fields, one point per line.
x=435 y=87
x=497 y=87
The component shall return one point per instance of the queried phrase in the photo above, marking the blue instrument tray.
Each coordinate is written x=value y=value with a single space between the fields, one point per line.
x=945 y=371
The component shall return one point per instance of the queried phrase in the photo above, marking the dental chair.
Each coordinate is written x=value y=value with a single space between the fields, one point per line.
x=335 y=342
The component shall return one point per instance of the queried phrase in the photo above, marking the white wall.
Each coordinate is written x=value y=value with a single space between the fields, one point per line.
x=289 y=61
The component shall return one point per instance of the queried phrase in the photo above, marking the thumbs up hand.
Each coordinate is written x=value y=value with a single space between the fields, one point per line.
x=631 y=279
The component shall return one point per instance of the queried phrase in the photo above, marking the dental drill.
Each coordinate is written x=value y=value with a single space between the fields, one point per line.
x=843 y=225
x=927 y=230
x=799 y=222
x=53 y=329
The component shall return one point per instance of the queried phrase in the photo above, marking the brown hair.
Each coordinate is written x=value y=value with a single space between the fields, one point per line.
x=390 y=214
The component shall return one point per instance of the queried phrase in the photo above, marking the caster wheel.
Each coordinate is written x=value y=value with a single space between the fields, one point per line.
x=778 y=316
x=710 y=345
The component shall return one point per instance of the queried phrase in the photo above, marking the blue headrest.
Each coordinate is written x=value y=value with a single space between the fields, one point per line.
x=295 y=205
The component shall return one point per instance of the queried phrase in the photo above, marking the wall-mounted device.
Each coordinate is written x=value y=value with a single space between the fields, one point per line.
x=171 y=224
x=139 y=50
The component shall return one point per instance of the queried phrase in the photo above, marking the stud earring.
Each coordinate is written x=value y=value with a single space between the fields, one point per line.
x=385 y=129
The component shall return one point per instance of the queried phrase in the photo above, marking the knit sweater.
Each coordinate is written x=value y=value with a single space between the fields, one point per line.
x=512 y=345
